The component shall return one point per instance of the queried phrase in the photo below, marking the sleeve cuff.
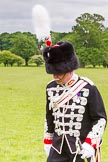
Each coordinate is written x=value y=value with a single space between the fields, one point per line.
x=47 y=141
x=91 y=142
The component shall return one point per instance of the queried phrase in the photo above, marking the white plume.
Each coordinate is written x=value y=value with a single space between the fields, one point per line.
x=41 y=22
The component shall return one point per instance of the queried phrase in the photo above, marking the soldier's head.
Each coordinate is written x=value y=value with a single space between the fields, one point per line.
x=60 y=59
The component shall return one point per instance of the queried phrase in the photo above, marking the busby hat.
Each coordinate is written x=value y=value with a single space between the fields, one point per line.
x=60 y=58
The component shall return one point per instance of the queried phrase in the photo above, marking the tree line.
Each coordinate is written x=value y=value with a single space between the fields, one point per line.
x=89 y=37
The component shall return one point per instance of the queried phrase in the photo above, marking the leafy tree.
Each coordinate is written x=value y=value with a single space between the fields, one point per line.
x=105 y=59
x=25 y=46
x=89 y=29
x=5 y=43
x=105 y=48
x=57 y=36
x=83 y=55
x=94 y=56
x=88 y=34
x=90 y=56
x=68 y=37
x=8 y=58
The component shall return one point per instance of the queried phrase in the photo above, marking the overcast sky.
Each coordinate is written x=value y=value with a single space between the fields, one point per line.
x=16 y=15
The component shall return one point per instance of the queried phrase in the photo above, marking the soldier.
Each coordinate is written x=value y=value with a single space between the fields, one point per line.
x=75 y=113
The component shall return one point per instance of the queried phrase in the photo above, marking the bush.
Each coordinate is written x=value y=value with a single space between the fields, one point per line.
x=37 y=59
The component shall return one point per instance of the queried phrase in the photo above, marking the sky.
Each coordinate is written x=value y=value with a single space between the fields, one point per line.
x=16 y=15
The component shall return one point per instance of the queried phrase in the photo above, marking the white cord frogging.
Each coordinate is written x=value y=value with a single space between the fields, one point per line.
x=78 y=149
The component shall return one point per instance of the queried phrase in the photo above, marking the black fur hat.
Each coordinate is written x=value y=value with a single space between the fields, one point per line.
x=60 y=58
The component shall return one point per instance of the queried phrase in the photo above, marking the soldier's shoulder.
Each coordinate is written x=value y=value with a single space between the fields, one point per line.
x=51 y=84
x=87 y=80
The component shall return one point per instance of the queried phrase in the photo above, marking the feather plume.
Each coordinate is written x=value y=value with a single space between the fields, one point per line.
x=41 y=22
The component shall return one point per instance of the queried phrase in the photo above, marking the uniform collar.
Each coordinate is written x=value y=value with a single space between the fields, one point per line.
x=72 y=80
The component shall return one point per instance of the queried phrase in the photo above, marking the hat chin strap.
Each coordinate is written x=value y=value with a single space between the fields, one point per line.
x=60 y=81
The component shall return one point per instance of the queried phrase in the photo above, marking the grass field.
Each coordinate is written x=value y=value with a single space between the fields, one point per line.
x=22 y=111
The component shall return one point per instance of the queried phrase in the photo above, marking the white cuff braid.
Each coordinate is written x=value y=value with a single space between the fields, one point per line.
x=88 y=150
x=47 y=148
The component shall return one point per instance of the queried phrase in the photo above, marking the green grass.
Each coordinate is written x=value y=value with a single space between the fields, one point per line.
x=22 y=111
